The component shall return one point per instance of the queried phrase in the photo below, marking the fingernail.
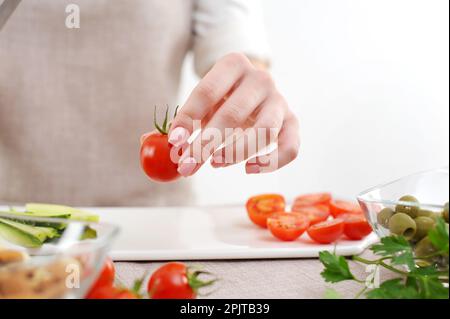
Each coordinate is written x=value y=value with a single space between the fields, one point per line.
x=178 y=136
x=253 y=169
x=187 y=166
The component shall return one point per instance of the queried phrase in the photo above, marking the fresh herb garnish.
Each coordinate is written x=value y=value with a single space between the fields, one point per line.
x=397 y=256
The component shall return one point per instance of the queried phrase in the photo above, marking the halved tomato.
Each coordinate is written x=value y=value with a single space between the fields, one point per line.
x=287 y=226
x=312 y=200
x=338 y=207
x=326 y=232
x=260 y=207
x=356 y=226
x=315 y=214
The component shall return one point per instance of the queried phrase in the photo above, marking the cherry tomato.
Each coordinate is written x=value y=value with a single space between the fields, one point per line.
x=287 y=226
x=338 y=207
x=326 y=232
x=174 y=281
x=356 y=226
x=315 y=214
x=312 y=200
x=106 y=277
x=156 y=159
x=170 y=282
x=260 y=207
x=111 y=293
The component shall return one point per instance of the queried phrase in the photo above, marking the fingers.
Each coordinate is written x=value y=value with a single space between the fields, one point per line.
x=234 y=96
x=210 y=91
x=286 y=152
x=252 y=91
x=253 y=140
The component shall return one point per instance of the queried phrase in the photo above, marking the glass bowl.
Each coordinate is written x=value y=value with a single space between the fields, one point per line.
x=64 y=267
x=431 y=188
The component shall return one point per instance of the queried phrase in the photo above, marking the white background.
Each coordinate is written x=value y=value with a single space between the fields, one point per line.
x=369 y=82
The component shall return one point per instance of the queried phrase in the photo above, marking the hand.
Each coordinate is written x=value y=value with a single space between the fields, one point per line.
x=240 y=113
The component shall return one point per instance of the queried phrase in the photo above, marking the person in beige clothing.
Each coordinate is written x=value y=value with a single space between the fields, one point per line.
x=74 y=101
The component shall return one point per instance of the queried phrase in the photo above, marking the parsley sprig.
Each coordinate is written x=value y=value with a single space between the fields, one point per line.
x=396 y=255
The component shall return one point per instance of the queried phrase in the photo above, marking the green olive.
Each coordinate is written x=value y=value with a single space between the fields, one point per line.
x=425 y=213
x=445 y=212
x=411 y=210
x=384 y=216
x=402 y=224
x=424 y=225
x=424 y=248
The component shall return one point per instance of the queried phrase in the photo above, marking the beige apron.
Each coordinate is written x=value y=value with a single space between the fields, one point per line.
x=74 y=102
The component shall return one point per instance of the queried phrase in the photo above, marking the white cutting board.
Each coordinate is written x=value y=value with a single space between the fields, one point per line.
x=195 y=233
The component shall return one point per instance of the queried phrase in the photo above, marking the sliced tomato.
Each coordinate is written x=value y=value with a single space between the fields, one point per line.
x=315 y=214
x=356 y=226
x=326 y=232
x=338 y=207
x=312 y=200
x=260 y=207
x=287 y=226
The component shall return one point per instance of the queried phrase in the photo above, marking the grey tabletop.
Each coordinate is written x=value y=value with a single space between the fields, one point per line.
x=293 y=278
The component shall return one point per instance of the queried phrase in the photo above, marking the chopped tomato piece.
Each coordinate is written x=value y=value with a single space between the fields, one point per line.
x=315 y=214
x=338 y=207
x=326 y=232
x=356 y=226
x=260 y=207
x=287 y=226
x=312 y=200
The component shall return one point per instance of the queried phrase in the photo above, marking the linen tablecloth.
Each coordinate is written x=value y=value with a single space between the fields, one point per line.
x=292 y=278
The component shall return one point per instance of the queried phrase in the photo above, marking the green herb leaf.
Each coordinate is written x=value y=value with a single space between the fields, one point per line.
x=432 y=288
x=425 y=271
x=405 y=258
x=439 y=236
x=394 y=289
x=336 y=267
x=391 y=245
x=397 y=247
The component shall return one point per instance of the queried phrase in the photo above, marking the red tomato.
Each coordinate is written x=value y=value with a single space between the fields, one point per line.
x=287 y=226
x=112 y=293
x=356 y=227
x=326 y=232
x=260 y=207
x=312 y=200
x=106 y=277
x=171 y=281
x=338 y=207
x=315 y=214
x=156 y=160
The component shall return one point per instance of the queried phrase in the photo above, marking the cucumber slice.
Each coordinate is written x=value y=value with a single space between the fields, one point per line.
x=89 y=233
x=75 y=214
x=38 y=223
x=49 y=232
x=20 y=234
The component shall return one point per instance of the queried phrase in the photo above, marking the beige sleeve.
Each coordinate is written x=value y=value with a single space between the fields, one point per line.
x=225 y=26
